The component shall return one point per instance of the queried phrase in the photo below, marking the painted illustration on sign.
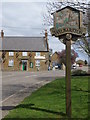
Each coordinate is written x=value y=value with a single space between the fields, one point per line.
x=66 y=18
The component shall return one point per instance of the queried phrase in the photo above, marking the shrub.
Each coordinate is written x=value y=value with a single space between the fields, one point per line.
x=79 y=73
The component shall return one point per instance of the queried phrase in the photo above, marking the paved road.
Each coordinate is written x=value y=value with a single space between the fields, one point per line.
x=17 y=85
x=13 y=82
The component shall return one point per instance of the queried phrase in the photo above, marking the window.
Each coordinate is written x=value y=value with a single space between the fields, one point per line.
x=24 y=53
x=11 y=53
x=37 y=53
x=11 y=63
x=37 y=63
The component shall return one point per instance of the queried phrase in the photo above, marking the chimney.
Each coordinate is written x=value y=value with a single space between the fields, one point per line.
x=2 y=34
x=46 y=38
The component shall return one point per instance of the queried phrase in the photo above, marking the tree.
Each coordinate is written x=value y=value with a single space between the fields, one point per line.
x=52 y=6
x=82 y=44
x=62 y=56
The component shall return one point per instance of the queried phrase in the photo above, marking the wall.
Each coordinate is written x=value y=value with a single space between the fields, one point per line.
x=55 y=58
x=18 y=57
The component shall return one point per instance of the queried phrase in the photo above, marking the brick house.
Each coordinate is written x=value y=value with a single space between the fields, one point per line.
x=55 y=59
x=23 y=53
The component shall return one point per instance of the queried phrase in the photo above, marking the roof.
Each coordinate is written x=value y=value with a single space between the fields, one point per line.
x=55 y=53
x=65 y=8
x=23 y=44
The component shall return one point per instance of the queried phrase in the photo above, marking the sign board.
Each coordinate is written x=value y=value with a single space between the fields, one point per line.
x=67 y=20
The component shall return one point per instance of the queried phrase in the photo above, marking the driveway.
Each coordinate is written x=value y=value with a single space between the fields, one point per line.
x=18 y=85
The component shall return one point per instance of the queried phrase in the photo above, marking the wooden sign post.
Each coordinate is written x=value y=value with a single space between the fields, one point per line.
x=68 y=27
x=68 y=74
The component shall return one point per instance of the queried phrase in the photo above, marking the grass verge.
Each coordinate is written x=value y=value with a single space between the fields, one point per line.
x=49 y=101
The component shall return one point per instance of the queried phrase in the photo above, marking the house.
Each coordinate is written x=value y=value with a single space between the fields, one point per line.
x=23 y=53
x=55 y=59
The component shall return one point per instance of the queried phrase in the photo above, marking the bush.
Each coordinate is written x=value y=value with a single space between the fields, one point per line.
x=79 y=73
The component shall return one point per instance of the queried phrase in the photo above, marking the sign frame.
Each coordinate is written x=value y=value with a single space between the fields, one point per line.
x=61 y=31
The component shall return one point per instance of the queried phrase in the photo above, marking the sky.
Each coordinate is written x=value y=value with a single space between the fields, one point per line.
x=23 y=18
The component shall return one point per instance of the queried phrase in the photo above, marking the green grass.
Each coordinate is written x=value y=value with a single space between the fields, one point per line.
x=49 y=101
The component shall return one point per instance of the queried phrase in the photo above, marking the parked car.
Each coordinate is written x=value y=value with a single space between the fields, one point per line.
x=57 y=66
x=77 y=65
x=73 y=67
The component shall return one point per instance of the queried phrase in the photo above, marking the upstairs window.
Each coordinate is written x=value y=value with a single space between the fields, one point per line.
x=24 y=53
x=11 y=53
x=37 y=53
x=11 y=63
x=37 y=63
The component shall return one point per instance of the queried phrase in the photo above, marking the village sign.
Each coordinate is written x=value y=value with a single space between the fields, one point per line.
x=68 y=27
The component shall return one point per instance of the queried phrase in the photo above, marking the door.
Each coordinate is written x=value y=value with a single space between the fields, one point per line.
x=24 y=65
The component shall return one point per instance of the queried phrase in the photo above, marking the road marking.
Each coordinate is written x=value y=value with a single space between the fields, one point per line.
x=27 y=76
x=30 y=76
x=39 y=82
x=12 y=95
x=18 y=92
x=6 y=76
x=22 y=90
x=7 y=98
x=34 y=75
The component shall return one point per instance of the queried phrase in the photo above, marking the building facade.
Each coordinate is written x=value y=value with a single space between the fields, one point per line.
x=55 y=59
x=24 y=53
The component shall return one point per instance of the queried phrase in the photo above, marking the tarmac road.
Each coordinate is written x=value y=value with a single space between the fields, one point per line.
x=18 y=85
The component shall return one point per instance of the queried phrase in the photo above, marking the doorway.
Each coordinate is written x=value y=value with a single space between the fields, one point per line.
x=24 y=65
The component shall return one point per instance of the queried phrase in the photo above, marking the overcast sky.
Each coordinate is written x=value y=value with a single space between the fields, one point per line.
x=22 y=18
